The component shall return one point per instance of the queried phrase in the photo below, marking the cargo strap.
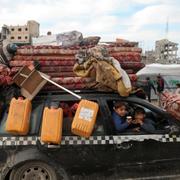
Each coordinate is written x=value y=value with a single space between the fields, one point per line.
x=93 y=140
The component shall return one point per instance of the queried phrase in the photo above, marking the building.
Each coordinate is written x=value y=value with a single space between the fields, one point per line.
x=20 y=34
x=148 y=57
x=166 y=52
x=4 y=32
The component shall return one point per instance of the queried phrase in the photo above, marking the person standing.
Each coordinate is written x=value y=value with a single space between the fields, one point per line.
x=148 y=86
x=160 y=86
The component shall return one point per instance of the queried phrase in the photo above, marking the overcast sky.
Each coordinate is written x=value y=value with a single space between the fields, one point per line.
x=136 y=20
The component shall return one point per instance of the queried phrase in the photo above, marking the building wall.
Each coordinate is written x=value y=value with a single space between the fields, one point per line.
x=149 y=57
x=33 y=28
x=19 y=34
x=166 y=51
x=23 y=34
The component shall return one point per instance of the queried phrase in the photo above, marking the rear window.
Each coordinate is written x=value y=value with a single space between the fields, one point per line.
x=69 y=110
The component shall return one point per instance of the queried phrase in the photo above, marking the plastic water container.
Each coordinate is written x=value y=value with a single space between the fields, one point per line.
x=18 y=116
x=51 y=131
x=85 y=118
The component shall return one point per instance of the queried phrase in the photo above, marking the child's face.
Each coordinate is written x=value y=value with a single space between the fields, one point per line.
x=121 y=111
x=139 y=117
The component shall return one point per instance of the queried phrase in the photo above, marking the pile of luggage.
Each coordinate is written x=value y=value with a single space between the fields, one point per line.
x=75 y=67
x=55 y=61
x=58 y=62
x=128 y=54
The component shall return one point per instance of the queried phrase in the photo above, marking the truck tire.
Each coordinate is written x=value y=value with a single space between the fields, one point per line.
x=33 y=170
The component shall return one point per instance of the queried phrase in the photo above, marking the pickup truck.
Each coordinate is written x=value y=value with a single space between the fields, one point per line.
x=27 y=158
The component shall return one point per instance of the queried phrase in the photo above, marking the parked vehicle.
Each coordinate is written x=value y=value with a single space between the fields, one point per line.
x=26 y=157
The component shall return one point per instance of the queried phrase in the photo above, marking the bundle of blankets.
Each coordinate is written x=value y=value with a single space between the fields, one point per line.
x=171 y=103
x=7 y=51
x=81 y=67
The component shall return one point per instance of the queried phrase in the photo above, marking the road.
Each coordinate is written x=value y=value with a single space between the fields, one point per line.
x=150 y=172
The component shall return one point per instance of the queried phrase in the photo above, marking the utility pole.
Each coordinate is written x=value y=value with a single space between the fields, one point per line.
x=167 y=28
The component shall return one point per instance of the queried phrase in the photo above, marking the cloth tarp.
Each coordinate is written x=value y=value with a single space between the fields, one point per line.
x=105 y=70
x=170 y=73
x=163 y=69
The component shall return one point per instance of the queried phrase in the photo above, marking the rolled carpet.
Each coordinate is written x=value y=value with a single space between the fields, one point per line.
x=44 y=58
x=42 y=63
x=123 y=49
x=49 y=69
x=72 y=80
x=134 y=65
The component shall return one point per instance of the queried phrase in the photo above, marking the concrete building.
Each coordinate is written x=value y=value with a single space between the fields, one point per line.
x=20 y=34
x=4 y=32
x=148 y=57
x=166 y=52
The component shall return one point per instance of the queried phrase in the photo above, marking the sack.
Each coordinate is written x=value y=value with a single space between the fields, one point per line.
x=90 y=41
x=6 y=52
x=68 y=39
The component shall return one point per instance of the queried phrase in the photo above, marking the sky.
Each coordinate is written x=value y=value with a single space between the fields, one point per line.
x=144 y=21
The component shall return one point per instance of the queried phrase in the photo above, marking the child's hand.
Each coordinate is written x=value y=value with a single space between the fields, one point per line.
x=141 y=123
x=136 y=129
x=134 y=122
x=129 y=119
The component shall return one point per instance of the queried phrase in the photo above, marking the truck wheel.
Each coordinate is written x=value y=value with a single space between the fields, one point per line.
x=33 y=171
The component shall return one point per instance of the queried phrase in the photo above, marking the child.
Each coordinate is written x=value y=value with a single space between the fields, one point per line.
x=119 y=117
x=141 y=123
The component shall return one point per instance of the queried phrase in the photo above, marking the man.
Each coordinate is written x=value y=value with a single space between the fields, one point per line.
x=160 y=87
x=160 y=84
x=148 y=86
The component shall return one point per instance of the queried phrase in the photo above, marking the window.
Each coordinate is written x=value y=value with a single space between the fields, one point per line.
x=19 y=29
x=99 y=126
x=156 y=119
x=19 y=37
x=26 y=29
x=69 y=110
x=26 y=37
x=12 y=29
x=12 y=37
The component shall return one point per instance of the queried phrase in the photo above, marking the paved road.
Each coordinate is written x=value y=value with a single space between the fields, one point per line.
x=150 y=172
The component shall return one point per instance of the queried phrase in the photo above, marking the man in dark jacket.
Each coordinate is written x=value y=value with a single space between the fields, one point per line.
x=160 y=84
x=160 y=87
x=148 y=86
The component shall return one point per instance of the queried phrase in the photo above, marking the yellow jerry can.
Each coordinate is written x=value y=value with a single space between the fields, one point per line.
x=85 y=118
x=19 y=116
x=51 y=131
